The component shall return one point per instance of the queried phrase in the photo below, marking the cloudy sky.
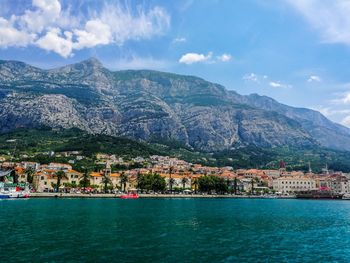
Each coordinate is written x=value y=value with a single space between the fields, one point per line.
x=296 y=51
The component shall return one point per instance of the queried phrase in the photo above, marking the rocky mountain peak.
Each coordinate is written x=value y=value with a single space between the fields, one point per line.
x=92 y=62
x=145 y=105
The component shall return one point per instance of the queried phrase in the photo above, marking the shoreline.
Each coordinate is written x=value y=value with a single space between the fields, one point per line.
x=142 y=196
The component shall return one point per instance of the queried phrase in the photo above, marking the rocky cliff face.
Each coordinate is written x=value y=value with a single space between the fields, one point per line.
x=148 y=105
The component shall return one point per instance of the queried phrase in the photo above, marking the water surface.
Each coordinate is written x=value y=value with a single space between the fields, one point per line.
x=174 y=230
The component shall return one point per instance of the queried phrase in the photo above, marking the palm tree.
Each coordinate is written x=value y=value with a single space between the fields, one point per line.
x=195 y=184
x=171 y=183
x=253 y=180
x=184 y=181
x=235 y=186
x=171 y=180
x=85 y=180
x=106 y=180
x=228 y=183
x=59 y=174
x=123 y=180
x=140 y=181
x=30 y=173
x=14 y=176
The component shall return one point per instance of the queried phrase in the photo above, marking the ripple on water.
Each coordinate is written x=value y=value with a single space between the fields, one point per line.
x=168 y=230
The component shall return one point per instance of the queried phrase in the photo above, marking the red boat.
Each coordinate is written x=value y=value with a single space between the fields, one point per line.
x=130 y=195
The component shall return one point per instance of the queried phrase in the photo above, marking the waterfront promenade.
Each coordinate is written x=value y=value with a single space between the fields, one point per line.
x=75 y=195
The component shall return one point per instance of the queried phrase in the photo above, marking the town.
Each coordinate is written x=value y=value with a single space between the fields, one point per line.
x=163 y=174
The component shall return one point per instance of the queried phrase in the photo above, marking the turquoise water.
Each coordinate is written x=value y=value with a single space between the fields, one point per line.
x=174 y=230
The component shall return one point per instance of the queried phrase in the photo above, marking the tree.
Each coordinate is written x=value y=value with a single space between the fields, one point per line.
x=140 y=181
x=171 y=180
x=209 y=183
x=235 y=186
x=253 y=180
x=184 y=181
x=171 y=183
x=252 y=186
x=158 y=182
x=85 y=180
x=123 y=180
x=151 y=181
x=106 y=181
x=30 y=175
x=228 y=183
x=59 y=174
x=220 y=185
x=206 y=184
x=14 y=176
x=195 y=184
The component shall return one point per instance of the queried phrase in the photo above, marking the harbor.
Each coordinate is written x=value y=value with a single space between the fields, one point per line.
x=164 y=177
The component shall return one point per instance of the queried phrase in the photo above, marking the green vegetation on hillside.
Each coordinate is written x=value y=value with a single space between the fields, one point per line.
x=36 y=145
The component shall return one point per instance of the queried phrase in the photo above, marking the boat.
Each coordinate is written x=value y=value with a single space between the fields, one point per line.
x=318 y=194
x=346 y=197
x=14 y=191
x=132 y=194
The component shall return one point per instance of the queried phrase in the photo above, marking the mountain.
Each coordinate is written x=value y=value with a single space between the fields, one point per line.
x=150 y=106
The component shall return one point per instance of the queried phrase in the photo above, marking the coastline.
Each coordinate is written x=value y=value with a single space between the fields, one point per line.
x=69 y=195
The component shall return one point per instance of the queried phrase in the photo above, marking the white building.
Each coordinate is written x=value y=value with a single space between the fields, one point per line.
x=292 y=184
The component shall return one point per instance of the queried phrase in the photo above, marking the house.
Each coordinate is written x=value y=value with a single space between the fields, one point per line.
x=30 y=165
x=59 y=166
x=45 y=180
x=292 y=184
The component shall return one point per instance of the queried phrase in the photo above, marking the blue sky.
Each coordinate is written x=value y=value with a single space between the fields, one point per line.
x=296 y=51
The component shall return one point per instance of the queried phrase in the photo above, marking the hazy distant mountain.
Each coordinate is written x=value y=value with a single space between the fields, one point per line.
x=148 y=105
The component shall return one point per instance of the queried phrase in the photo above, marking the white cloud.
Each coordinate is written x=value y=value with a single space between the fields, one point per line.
x=42 y=26
x=224 y=57
x=251 y=77
x=276 y=84
x=346 y=121
x=330 y=18
x=344 y=99
x=46 y=13
x=55 y=41
x=265 y=81
x=125 y=25
x=314 y=78
x=10 y=36
x=179 y=40
x=191 y=58
x=328 y=111
x=135 y=62
x=95 y=33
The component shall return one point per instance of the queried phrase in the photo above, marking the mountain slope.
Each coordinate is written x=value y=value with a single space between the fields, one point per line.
x=328 y=133
x=149 y=105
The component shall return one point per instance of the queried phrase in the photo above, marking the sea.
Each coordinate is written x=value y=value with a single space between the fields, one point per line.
x=174 y=230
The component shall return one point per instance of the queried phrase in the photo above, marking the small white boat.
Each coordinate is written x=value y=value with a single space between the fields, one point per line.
x=346 y=197
x=13 y=191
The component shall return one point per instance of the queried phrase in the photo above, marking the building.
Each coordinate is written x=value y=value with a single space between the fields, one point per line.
x=45 y=180
x=292 y=184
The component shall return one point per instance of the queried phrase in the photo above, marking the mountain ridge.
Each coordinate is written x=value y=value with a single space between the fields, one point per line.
x=144 y=104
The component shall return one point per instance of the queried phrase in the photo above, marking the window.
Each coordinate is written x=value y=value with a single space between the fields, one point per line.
x=42 y=178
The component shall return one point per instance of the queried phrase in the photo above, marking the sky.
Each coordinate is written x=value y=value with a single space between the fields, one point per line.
x=295 y=51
